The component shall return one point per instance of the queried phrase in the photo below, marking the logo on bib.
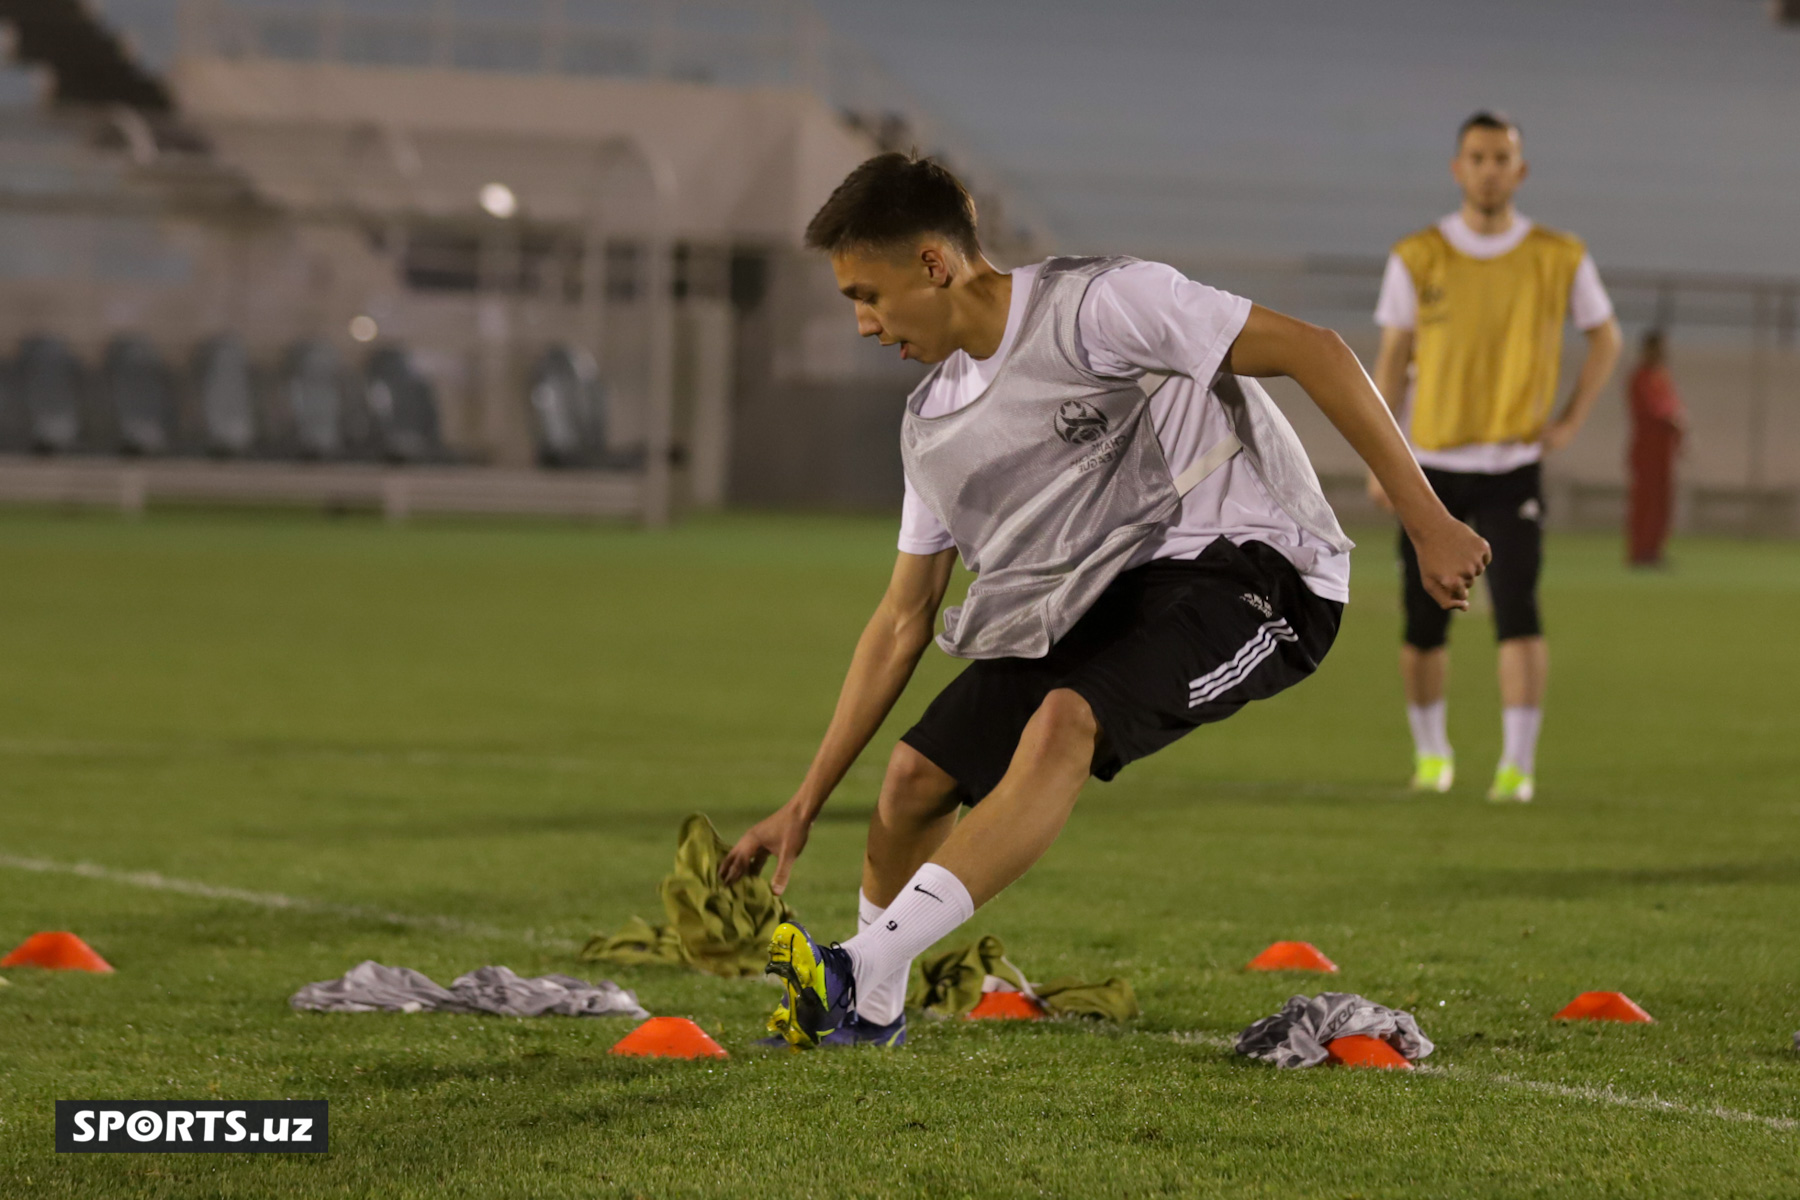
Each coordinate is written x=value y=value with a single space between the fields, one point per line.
x=1078 y=422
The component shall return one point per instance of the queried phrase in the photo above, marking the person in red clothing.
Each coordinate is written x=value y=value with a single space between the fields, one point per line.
x=1656 y=428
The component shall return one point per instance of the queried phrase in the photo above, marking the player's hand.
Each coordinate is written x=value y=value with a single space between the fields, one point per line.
x=1379 y=495
x=782 y=833
x=1451 y=557
x=1557 y=435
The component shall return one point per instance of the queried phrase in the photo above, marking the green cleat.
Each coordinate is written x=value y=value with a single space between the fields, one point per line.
x=1433 y=773
x=1511 y=786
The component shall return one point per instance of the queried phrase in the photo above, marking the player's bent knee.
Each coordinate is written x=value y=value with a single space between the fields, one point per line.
x=1066 y=714
x=915 y=788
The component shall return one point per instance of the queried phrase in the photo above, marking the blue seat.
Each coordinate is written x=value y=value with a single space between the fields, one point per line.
x=226 y=396
x=402 y=407
x=568 y=408
x=311 y=400
x=48 y=383
x=140 y=396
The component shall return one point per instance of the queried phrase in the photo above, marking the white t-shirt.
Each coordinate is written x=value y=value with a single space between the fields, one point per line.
x=1398 y=308
x=1149 y=317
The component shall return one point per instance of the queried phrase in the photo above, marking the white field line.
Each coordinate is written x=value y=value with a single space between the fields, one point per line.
x=54 y=748
x=155 y=882
x=1595 y=1095
x=1618 y=1099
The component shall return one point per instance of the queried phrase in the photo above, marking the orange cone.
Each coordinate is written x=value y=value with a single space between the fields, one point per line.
x=1291 y=956
x=56 y=951
x=1360 y=1051
x=669 y=1037
x=1007 y=1006
x=1604 y=1006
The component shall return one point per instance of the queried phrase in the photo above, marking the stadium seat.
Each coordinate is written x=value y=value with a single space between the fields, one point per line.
x=311 y=400
x=226 y=396
x=140 y=396
x=12 y=410
x=568 y=408
x=402 y=407
x=49 y=383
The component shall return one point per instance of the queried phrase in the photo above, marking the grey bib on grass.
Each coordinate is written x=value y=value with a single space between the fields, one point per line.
x=1053 y=477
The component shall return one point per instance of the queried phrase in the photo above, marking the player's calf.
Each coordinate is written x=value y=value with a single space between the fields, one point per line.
x=915 y=813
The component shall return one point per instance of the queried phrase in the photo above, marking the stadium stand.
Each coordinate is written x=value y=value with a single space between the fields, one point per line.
x=183 y=171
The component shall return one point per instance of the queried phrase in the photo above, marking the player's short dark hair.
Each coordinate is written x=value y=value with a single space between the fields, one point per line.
x=1487 y=119
x=894 y=199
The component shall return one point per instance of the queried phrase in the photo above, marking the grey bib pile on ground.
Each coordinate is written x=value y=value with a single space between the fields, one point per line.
x=1053 y=477
x=1296 y=1036
x=371 y=987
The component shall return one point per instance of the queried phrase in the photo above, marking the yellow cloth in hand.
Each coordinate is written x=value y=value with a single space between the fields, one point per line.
x=713 y=927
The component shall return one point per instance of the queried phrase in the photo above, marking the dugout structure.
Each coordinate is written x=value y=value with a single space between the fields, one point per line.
x=545 y=238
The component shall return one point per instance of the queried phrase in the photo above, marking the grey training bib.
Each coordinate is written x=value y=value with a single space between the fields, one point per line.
x=1053 y=477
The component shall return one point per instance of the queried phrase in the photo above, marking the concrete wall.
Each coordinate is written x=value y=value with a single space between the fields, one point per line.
x=733 y=164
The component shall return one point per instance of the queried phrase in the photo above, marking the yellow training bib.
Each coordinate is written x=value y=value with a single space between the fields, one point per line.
x=1488 y=343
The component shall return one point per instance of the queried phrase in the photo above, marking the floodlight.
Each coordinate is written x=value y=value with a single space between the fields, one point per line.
x=498 y=200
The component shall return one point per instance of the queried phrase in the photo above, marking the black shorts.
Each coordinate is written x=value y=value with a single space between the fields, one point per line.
x=1168 y=647
x=1507 y=510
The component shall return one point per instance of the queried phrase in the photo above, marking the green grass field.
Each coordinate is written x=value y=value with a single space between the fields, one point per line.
x=502 y=725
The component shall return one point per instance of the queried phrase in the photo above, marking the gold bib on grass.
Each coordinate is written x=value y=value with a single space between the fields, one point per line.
x=1489 y=337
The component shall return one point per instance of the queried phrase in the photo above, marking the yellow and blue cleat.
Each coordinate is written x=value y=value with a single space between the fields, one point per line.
x=854 y=1032
x=819 y=987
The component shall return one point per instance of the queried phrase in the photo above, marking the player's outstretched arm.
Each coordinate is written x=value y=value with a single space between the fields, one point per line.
x=1451 y=554
x=1391 y=363
x=886 y=654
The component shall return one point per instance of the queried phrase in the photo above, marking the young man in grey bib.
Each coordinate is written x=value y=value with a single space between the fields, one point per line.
x=1151 y=547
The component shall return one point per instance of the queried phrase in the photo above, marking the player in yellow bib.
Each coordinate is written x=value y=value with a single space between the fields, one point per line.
x=1473 y=308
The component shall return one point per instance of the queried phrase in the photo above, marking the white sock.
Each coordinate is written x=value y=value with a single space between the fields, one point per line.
x=1521 y=726
x=879 y=999
x=932 y=903
x=1431 y=735
x=867 y=911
